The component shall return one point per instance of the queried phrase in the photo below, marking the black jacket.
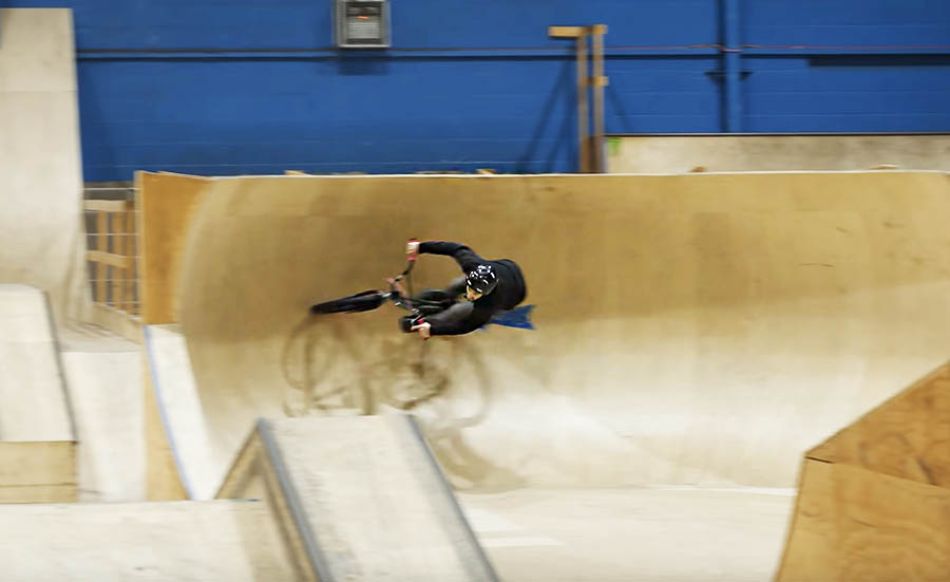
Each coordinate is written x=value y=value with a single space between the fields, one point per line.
x=510 y=291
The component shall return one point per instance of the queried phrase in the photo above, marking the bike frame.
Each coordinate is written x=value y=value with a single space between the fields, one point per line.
x=404 y=299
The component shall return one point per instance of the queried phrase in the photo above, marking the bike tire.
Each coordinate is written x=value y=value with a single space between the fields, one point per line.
x=365 y=301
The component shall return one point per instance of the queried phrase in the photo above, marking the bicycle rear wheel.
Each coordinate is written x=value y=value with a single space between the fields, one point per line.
x=365 y=301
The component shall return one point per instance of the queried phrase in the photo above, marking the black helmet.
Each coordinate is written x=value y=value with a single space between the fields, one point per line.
x=482 y=279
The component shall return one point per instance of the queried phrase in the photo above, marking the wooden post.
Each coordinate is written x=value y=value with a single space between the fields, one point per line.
x=598 y=82
x=131 y=250
x=583 y=108
x=579 y=34
x=118 y=247
x=102 y=246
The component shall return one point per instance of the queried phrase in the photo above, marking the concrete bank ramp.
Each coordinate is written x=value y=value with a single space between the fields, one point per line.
x=363 y=497
x=37 y=437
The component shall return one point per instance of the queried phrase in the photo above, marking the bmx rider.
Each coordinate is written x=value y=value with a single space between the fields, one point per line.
x=489 y=287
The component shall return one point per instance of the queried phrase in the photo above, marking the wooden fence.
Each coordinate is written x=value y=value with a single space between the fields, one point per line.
x=112 y=244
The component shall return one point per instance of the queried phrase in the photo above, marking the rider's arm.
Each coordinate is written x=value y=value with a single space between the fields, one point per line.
x=463 y=255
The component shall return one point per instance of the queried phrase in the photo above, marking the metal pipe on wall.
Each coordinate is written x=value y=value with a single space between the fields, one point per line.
x=732 y=64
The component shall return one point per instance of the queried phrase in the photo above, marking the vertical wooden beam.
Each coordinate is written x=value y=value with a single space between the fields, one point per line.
x=141 y=263
x=117 y=232
x=583 y=109
x=101 y=268
x=131 y=249
x=599 y=82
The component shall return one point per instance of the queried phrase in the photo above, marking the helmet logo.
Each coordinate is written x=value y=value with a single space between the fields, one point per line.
x=483 y=279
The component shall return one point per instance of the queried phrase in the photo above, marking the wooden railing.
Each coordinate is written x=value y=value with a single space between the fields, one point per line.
x=113 y=267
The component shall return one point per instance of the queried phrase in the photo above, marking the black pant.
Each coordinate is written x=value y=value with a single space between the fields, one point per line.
x=443 y=307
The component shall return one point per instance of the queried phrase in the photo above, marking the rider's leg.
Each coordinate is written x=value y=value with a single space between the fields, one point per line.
x=455 y=288
x=457 y=312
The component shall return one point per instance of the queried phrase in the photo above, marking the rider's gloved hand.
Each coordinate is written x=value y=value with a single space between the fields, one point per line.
x=411 y=323
x=424 y=329
x=412 y=249
x=416 y=323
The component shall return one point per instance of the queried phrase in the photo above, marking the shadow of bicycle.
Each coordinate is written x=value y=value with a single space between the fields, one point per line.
x=338 y=365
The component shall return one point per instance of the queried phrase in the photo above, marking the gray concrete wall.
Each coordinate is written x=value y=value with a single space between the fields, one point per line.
x=749 y=153
x=40 y=170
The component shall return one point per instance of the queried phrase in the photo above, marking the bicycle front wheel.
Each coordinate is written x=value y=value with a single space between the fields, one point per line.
x=365 y=301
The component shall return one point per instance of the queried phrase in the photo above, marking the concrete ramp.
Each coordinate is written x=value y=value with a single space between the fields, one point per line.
x=363 y=497
x=37 y=437
x=40 y=236
x=874 y=500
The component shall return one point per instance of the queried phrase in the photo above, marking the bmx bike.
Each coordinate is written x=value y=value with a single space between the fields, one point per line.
x=427 y=303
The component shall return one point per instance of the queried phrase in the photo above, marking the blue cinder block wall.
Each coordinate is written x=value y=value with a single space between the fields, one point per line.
x=254 y=86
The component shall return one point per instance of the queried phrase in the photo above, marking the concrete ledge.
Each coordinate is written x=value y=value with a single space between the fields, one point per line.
x=38 y=472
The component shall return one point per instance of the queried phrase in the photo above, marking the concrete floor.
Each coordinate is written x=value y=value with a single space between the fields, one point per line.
x=211 y=541
x=624 y=535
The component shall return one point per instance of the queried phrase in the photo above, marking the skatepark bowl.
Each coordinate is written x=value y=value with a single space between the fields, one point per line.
x=695 y=337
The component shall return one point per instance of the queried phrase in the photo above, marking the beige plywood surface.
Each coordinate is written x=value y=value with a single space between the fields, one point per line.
x=854 y=524
x=40 y=173
x=695 y=330
x=907 y=437
x=166 y=204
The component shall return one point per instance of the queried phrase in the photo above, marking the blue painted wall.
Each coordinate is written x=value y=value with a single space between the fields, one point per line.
x=254 y=86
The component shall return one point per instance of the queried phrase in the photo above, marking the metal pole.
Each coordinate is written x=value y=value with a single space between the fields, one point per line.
x=732 y=64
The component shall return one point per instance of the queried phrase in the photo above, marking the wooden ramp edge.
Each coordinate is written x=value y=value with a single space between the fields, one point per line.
x=874 y=500
x=359 y=498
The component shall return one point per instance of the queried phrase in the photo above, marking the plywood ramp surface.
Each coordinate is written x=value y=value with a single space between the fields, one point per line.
x=166 y=203
x=908 y=436
x=700 y=329
x=874 y=500
x=854 y=524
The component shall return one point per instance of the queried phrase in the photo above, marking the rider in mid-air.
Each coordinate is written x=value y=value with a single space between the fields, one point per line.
x=489 y=288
